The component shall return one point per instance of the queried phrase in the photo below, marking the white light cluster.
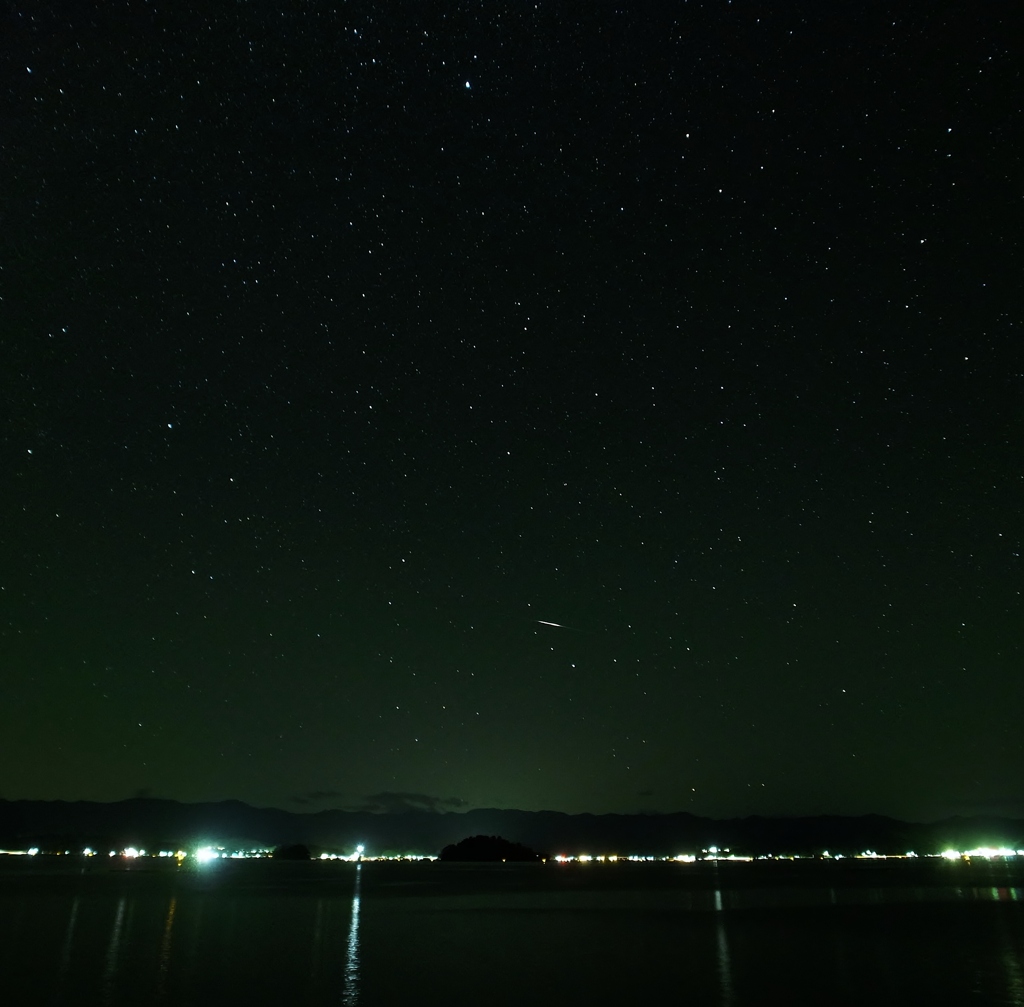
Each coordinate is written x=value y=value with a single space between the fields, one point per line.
x=984 y=852
x=206 y=854
x=352 y=857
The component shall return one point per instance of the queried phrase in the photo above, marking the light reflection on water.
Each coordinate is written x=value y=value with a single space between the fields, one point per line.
x=350 y=994
x=65 y=951
x=1011 y=951
x=1014 y=979
x=722 y=946
x=165 y=949
x=113 y=952
x=373 y=938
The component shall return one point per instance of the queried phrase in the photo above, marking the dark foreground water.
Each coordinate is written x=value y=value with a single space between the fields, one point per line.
x=260 y=932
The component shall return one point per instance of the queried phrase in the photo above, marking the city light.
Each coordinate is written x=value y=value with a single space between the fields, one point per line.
x=206 y=854
x=982 y=852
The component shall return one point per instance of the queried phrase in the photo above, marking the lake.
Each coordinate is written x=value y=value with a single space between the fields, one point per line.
x=251 y=932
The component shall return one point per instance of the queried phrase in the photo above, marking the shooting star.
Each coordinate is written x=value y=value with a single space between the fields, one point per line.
x=557 y=625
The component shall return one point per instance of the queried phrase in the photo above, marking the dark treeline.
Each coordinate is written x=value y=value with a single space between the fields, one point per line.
x=155 y=823
x=488 y=849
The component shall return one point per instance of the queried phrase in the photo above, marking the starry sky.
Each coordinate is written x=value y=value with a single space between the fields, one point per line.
x=590 y=407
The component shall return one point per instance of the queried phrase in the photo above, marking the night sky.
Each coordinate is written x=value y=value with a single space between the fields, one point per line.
x=345 y=348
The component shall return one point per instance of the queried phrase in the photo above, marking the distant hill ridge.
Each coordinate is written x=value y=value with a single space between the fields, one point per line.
x=154 y=822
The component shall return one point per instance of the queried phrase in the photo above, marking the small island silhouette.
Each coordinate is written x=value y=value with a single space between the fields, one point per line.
x=488 y=849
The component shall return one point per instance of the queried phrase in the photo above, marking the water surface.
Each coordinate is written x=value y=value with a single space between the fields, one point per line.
x=94 y=932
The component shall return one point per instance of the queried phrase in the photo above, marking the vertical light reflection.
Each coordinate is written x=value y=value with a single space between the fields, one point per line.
x=113 y=952
x=165 y=949
x=65 y=951
x=1014 y=979
x=350 y=991
x=722 y=943
x=65 y=948
x=1010 y=956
